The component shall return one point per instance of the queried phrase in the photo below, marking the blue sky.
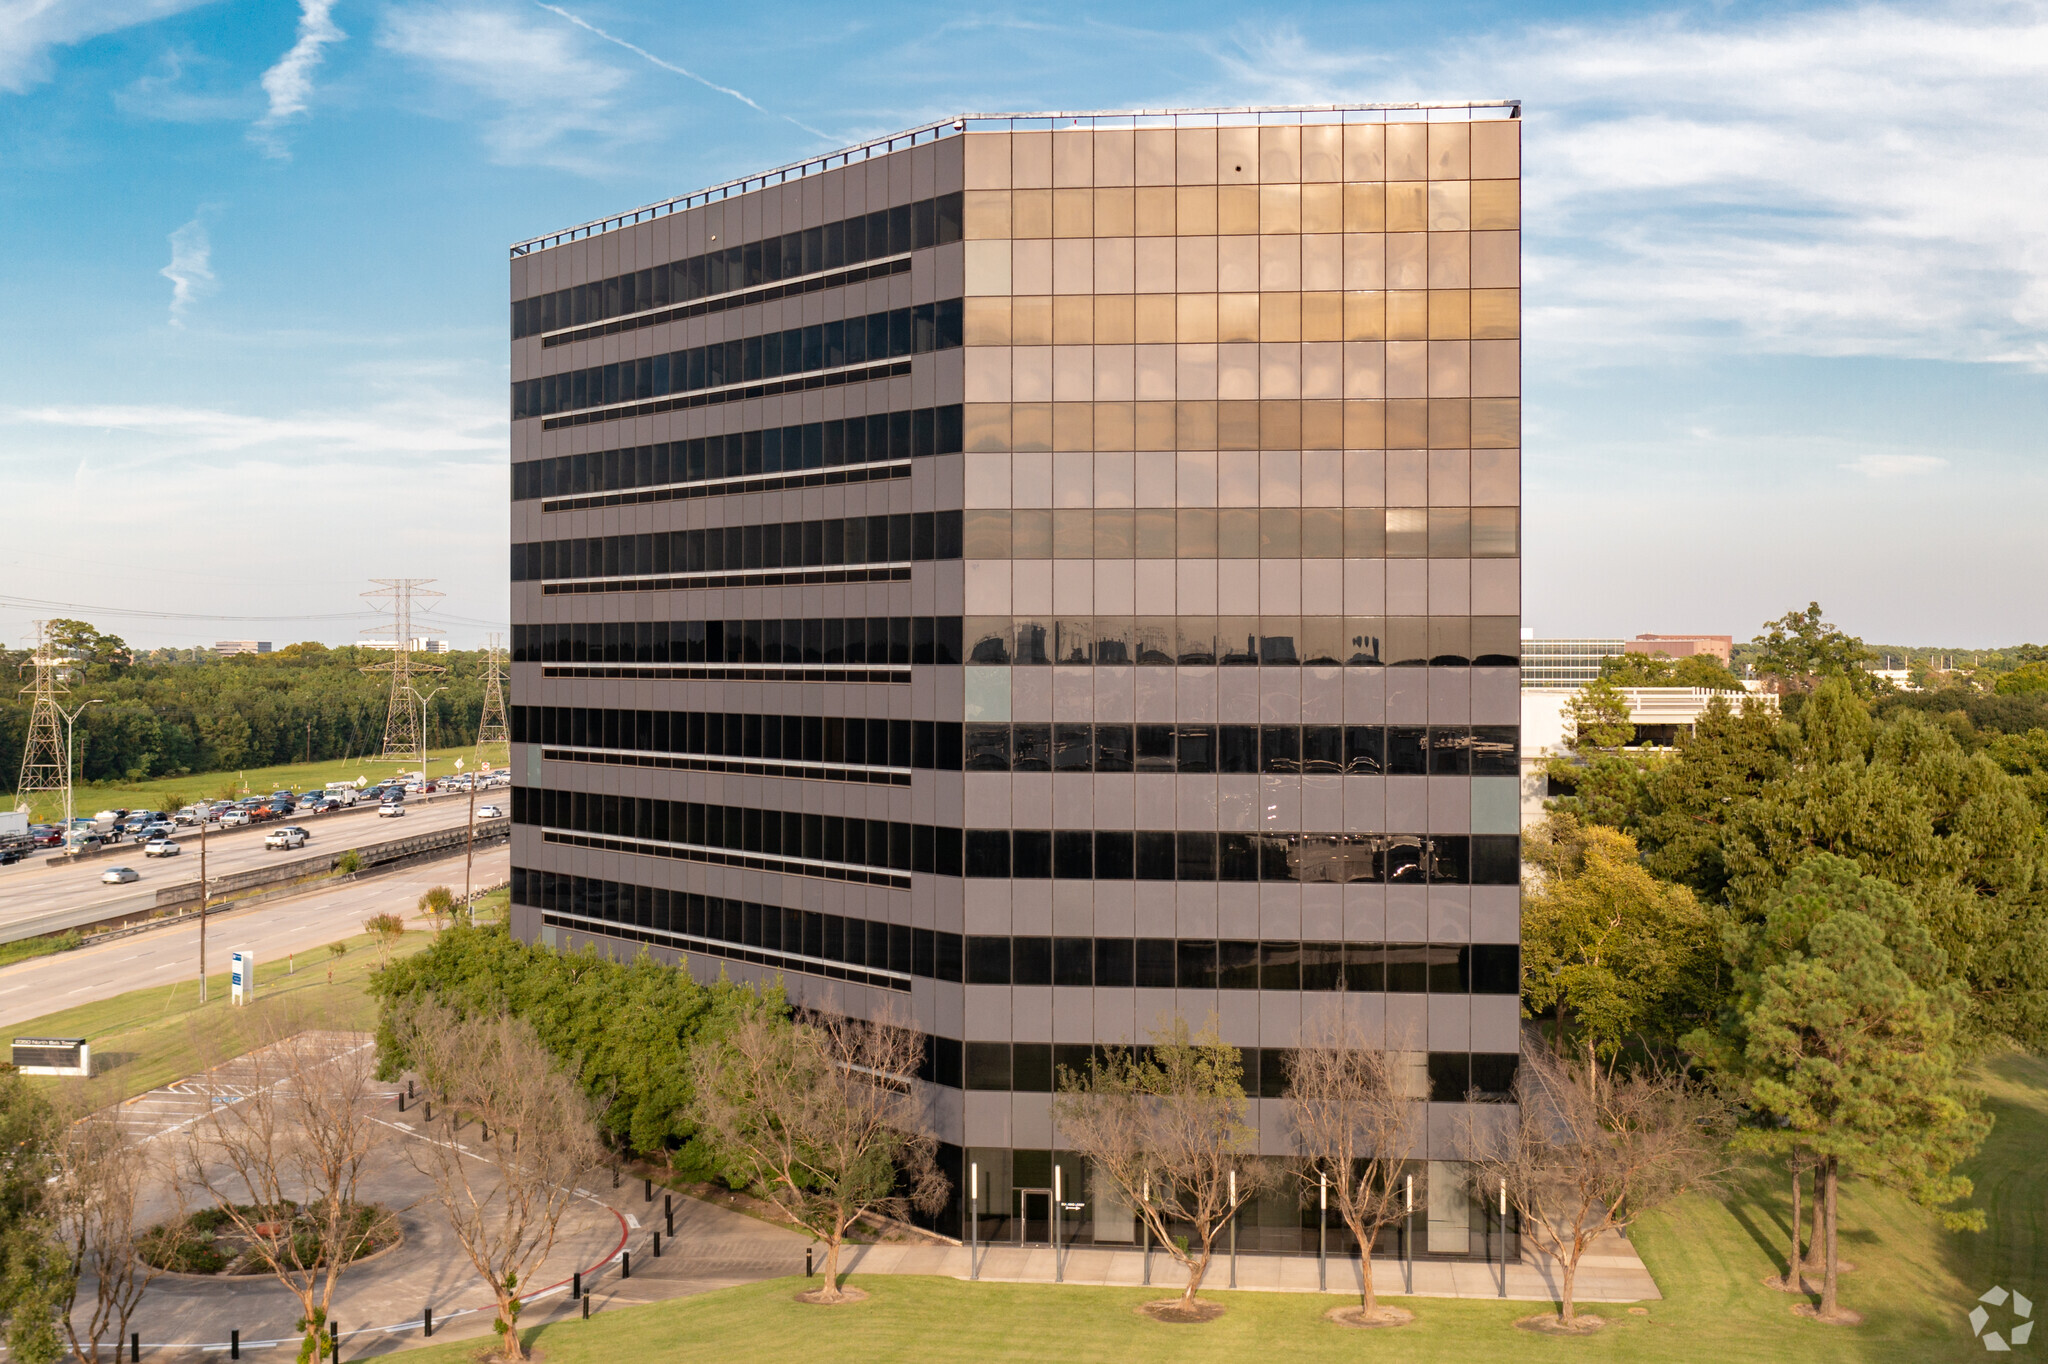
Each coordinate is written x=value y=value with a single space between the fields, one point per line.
x=1787 y=279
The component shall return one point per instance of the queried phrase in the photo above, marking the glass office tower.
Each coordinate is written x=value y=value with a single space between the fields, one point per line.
x=1039 y=575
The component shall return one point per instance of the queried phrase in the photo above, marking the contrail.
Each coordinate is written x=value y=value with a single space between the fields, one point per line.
x=681 y=71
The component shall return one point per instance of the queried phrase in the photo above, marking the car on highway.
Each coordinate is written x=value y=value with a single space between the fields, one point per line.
x=46 y=835
x=314 y=805
x=390 y=808
x=188 y=816
x=119 y=876
x=109 y=816
x=161 y=847
x=290 y=836
x=489 y=812
x=235 y=816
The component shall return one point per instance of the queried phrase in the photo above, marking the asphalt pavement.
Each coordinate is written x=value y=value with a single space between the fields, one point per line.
x=35 y=887
x=272 y=930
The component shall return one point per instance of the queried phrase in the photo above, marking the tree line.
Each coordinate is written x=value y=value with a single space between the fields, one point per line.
x=169 y=714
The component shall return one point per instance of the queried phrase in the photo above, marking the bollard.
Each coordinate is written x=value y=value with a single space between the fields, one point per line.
x=401 y=1103
x=668 y=1212
x=408 y=1087
x=807 y=1262
x=235 y=1344
x=586 y=1307
x=575 y=1285
x=615 y=1176
x=334 y=1339
x=428 y=1110
x=134 y=1347
x=657 y=1245
x=428 y=1321
x=625 y=1264
x=647 y=1186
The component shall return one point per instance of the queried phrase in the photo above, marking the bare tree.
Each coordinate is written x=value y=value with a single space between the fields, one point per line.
x=1580 y=1157
x=285 y=1159
x=1168 y=1129
x=92 y=1200
x=822 y=1115
x=1355 y=1121
x=506 y=1192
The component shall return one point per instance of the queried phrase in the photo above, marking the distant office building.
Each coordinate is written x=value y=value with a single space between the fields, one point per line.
x=241 y=646
x=1659 y=714
x=1566 y=662
x=420 y=644
x=1684 y=646
x=1044 y=575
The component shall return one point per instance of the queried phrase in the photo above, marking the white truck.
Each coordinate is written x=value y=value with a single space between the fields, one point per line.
x=342 y=793
x=15 y=843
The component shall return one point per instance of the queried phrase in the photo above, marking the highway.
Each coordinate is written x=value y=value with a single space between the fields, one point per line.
x=302 y=924
x=34 y=887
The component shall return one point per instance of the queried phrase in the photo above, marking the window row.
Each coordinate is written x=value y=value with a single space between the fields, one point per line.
x=1327 y=750
x=1244 y=641
x=838 y=839
x=1243 y=533
x=1244 y=210
x=863 y=642
x=1036 y=1068
x=854 y=741
x=726 y=303
x=1247 y=424
x=885 y=232
x=902 y=537
x=859 y=641
x=826 y=345
x=1159 y=319
x=1073 y=962
x=740 y=454
x=1200 y=855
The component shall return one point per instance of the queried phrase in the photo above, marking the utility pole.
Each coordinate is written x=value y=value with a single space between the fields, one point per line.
x=469 y=853
x=45 y=761
x=492 y=734
x=405 y=736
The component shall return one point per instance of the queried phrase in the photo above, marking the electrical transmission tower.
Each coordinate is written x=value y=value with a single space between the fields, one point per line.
x=45 y=762
x=493 y=738
x=405 y=720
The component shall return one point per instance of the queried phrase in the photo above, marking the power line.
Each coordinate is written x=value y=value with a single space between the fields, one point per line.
x=405 y=720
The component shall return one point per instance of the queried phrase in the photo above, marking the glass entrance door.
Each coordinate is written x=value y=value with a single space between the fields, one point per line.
x=1034 y=1216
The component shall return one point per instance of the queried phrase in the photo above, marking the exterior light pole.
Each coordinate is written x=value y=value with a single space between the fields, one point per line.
x=69 y=751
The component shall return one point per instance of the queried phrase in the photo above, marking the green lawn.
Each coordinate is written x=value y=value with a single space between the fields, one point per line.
x=147 y=1038
x=1914 y=1283
x=168 y=793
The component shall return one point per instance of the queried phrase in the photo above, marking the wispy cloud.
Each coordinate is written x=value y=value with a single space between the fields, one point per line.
x=181 y=85
x=1895 y=466
x=1859 y=180
x=30 y=28
x=445 y=426
x=191 y=269
x=555 y=106
x=682 y=71
x=290 y=82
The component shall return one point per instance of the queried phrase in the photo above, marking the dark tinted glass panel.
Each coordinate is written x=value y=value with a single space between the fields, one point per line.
x=1365 y=750
x=1450 y=1075
x=1449 y=969
x=1195 y=965
x=1496 y=860
x=1237 y=748
x=1031 y=854
x=1450 y=752
x=1114 y=962
x=1322 y=965
x=988 y=852
x=1237 y=857
x=1365 y=967
x=1154 y=856
x=1154 y=748
x=1496 y=969
x=1407 y=968
x=1280 y=966
x=1031 y=748
x=1113 y=856
x=1073 y=854
x=988 y=1065
x=1322 y=749
x=1155 y=965
x=1493 y=1074
x=988 y=748
x=1237 y=965
x=1197 y=856
x=1407 y=751
x=1073 y=961
x=1031 y=961
x=1274 y=1071
x=1280 y=748
x=1114 y=751
x=1073 y=748
x=1493 y=750
x=1031 y=1067
x=1196 y=745
x=1403 y=859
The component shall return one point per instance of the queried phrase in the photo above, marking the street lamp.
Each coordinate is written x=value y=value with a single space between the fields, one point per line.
x=71 y=834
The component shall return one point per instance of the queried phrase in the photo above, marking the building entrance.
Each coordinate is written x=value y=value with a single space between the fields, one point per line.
x=1034 y=1216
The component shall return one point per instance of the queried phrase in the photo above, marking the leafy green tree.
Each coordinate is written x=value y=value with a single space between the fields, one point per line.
x=1599 y=716
x=2027 y=679
x=1800 y=649
x=1686 y=805
x=104 y=656
x=1607 y=949
x=30 y=1271
x=626 y=1028
x=1661 y=670
x=1846 y=1036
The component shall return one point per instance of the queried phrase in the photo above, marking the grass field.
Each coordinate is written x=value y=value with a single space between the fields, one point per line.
x=147 y=1038
x=168 y=793
x=1914 y=1284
